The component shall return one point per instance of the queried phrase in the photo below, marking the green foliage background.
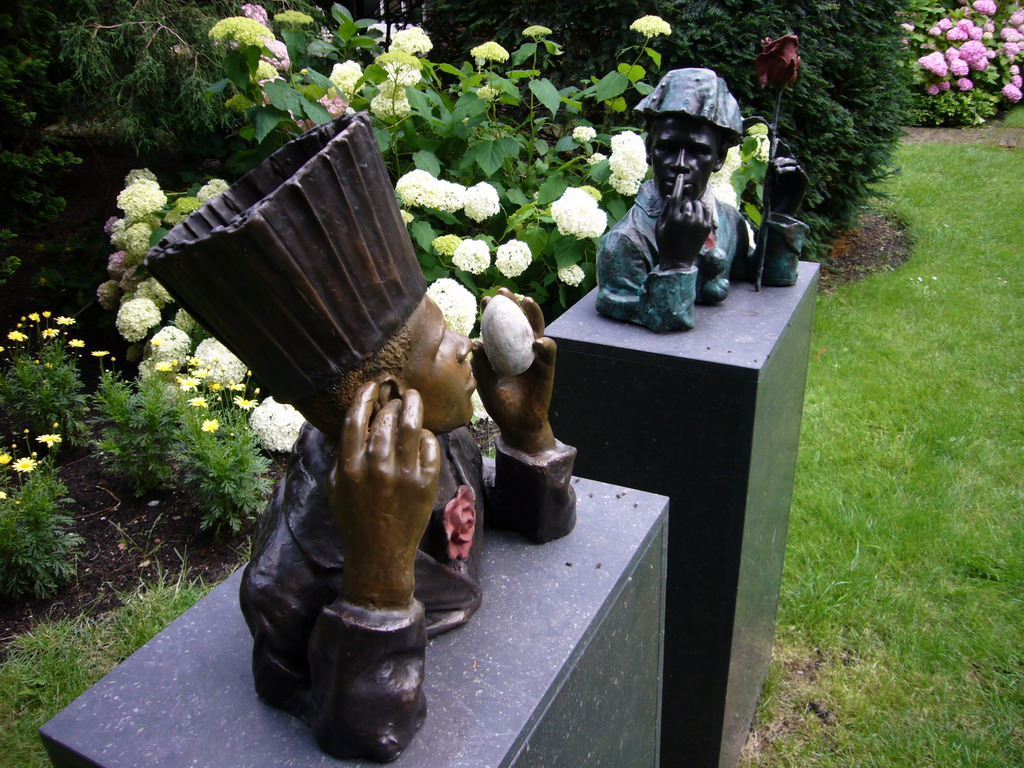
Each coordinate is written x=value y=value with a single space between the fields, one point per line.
x=842 y=119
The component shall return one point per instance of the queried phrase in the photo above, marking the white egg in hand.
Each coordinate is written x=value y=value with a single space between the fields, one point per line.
x=507 y=336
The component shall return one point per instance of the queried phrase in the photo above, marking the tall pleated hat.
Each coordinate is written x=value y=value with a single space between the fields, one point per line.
x=304 y=267
x=699 y=93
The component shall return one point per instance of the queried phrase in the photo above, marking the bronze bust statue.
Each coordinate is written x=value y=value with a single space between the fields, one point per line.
x=371 y=542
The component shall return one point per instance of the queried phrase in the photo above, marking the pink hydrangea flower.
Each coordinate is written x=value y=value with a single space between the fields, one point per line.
x=952 y=54
x=256 y=13
x=1012 y=93
x=1017 y=80
x=109 y=226
x=959 y=67
x=964 y=84
x=933 y=90
x=115 y=265
x=336 y=105
x=972 y=51
x=280 y=60
x=986 y=7
x=908 y=28
x=1017 y=19
x=989 y=27
x=1010 y=35
x=944 y=85
x=958 y=34
x=935 y=63
x=944 y=24
x=976 y=33
x=934 y=31
x=1014 y=70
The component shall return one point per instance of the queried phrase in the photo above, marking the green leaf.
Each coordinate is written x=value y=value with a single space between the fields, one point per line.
x=525 y=51
x=219 y=86
x=468 y=105
x=565 y=143
x=236 y=65
x=618 y=105
x=643 y=88
x=568 y=251
x=157 y=236
x=449 y=69
x=284 y=97
x=384 y=138
x=320 y=48
x=317 y=112
x=600 y=172
x=295 y=40
x=546 y=93
x=617 y=207
x=655 y=56
x=537 y=239
x=632 y=72
x=419 y=103
x=266 y=119
x=423 y=234
x=317 y=79
x=427 y=161
x=552 y=189
x=540 y=147
x=340 y=13
x=491 y=155
x=362 y=41
x=516 y=196
x=611 y=85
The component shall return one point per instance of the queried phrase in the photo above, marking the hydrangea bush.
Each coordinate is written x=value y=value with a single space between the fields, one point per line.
x=966 y=57
x=501 y=178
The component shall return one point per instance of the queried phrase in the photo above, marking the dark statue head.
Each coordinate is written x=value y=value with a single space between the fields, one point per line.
x=692 y=121
x=305 y=270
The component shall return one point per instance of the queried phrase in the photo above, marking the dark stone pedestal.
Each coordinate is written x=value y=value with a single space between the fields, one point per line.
x=560 y=667
x=710 y=418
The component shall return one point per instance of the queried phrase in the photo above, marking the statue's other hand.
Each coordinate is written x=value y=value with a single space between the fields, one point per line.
x=789 y=185
x=381 y=492
x=681 y=230
x=519 y=404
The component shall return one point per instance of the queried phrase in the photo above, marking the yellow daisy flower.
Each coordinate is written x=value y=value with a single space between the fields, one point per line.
x=17 y=336
x=198 y=402
x=100 y=353
x=64 y=320
x=77 y=343
x=49 y=333
x=5 y=458
x=24 y=465
x=211 y=425
x=34 y=317
x=48 y=439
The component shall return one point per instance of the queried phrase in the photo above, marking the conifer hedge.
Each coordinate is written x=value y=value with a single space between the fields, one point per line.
x=842 y=119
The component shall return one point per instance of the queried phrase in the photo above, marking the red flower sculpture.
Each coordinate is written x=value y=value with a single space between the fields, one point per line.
x=460 y=522
x=778 y=63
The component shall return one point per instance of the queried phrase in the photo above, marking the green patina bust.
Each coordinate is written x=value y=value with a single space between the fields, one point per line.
x=678 y=245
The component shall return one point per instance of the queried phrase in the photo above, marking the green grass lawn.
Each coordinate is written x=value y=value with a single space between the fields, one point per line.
x=901 y=636
x=901 y=625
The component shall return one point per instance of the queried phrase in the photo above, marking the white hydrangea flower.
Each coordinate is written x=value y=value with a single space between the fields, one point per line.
x=571 y=275
x=108 y=293
x=345 y=76
x=457 y=304
x=185 y=321
x=169 y=343
x=445 y=245
x=596 y=158
x=211 y=189
x=651 y=26
x=720 y=182
x=628 y=163
x=479 y=412
x=512 y=258
x=136 y=317
x=481 y=201
x=135 y=243
x=407 y=218
x=577 y=213
x=137 y=174
x=411 y=40
x=487 y=93
x=584 y=133
x=390 y=103
x=141 y=198
x=489 y=51
x=473 y=256
x=223 y=367
x=419 y=188
x=276 y=425
x=151 y=289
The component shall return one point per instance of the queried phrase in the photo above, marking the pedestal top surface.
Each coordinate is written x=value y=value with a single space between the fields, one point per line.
x=186 y=698
x=740 y=332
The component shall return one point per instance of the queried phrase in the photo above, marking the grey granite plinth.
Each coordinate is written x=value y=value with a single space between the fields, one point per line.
x=560 y=667
x=710 y=418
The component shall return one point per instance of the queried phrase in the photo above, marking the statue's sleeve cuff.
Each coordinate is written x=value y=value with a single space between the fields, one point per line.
x=533 y=494
x=666 y=299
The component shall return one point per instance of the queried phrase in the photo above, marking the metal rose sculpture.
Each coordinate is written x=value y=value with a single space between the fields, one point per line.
x=776 y=66
x=679 y=245
x=372 y=540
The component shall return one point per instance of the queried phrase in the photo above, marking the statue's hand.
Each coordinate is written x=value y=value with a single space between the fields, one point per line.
x=681 y=230
x=519 y=404
x=381 y=492
x=789 y=184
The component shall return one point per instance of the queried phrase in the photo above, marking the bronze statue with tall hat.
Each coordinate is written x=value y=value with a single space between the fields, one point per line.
x=372 y=540
x=678 y=245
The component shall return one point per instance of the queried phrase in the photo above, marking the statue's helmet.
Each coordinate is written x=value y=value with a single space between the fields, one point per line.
x=700 y=94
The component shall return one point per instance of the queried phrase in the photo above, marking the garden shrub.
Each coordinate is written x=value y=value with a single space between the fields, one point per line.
x=137 y=423
x=842 y=119
x=964 y=56
x=40 y=384
x=37 y=551
x=32 y=97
